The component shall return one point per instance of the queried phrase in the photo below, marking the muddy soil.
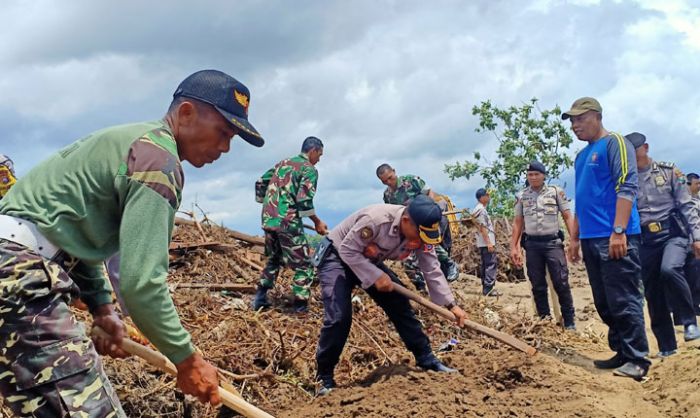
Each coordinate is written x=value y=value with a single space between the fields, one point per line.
x=270 y=356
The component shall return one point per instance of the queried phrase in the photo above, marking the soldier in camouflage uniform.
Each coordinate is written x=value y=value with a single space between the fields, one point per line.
x=7 y=175
x=287 y=193
x=399 y=191
x=117 y=189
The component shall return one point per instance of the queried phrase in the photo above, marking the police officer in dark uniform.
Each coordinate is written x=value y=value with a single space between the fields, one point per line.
x=536 y=226
x=692 y=264
x=666 y=211
x=352 y=255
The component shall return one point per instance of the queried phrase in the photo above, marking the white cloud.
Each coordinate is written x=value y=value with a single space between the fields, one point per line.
x=377 y=81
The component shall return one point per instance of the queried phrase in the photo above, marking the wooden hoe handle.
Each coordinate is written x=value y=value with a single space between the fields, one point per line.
x=500 y=336
x=158 y=360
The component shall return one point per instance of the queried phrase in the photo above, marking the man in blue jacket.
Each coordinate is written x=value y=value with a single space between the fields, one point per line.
x=607 y=229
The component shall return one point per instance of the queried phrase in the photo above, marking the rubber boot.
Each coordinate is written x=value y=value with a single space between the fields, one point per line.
x=260 y=300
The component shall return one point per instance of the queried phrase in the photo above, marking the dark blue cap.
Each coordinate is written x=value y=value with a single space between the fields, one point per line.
x=636 y=139
x=481 y=193
x=228 y=95
x=537 y=166
x=426 y=214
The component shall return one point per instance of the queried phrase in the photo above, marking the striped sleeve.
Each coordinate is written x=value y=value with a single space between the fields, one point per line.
x=623 y=166
x=153 y=161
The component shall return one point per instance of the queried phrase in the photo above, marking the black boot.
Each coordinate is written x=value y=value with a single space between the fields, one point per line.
x=430 y=362
x=612 y=363
x=260 y=300
x=326 y=383
x=301 y=306
x=633 y=370
x=418 y=281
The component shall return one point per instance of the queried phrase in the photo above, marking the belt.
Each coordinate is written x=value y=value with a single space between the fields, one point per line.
x=542 y=238
x=657 y=226
x=25 y=233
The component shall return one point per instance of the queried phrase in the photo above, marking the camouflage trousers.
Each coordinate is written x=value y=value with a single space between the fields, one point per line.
x=48 y=366
x=288 y=248
x=410 y=264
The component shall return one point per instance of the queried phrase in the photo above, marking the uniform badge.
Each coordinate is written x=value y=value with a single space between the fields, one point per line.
x=428 y=248
x=366 y=233
x=660 y=180
x=594 y=157
x=679 y=175
x=242 y=99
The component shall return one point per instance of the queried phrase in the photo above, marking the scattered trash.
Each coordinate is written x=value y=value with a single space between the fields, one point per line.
x=448 y=346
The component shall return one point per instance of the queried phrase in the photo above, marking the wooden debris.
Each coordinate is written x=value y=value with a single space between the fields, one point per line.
x=236 y=287
x=250 y=239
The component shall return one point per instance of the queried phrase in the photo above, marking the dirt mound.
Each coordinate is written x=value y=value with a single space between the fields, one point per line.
x=673 y=384
x=493 y=383
x=269 y=356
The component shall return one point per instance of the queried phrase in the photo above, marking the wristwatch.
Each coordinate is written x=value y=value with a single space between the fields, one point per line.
x=449 y=306
x=619 y=230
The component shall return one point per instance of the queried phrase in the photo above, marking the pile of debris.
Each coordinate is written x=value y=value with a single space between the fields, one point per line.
x=466 y=253
x=270 y=356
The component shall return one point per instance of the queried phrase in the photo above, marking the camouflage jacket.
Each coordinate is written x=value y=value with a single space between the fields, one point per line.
x=409 y=186
x=287 y=191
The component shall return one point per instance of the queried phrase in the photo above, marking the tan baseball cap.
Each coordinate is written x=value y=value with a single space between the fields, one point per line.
x=581 y=106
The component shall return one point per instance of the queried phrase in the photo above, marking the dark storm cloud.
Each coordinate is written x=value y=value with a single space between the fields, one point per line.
x=378 y=81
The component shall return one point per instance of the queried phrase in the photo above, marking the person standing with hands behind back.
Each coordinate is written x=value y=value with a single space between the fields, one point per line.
x=486 y=241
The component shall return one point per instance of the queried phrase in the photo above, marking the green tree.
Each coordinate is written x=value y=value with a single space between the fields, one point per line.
x=524 y=134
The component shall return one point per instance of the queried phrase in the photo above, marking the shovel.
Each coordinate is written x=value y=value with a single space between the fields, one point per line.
x=158 y=360
x=445 y=313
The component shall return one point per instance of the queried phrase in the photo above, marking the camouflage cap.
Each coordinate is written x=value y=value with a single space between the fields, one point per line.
x=228 y=95
x=581 y=106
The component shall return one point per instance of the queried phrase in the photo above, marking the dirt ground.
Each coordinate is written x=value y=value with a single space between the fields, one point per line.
x=499 y=382
x=270 y=355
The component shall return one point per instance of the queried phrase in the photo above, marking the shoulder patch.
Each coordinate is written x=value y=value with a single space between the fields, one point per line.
x=366 y=233
x=679 y=175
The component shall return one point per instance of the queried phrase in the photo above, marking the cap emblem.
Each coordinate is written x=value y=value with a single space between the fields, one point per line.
x=242 y=99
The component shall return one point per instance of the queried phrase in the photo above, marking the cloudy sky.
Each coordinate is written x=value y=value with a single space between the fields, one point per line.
x=378 y=81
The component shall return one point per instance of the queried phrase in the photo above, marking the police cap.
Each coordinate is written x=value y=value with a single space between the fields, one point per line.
x=426 y=214
x=537 y=166
x=636 y=139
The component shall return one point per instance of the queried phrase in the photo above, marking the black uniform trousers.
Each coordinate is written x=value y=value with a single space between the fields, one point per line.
x=489 y=269
x=337 y=281
x=692 y=276
x=617 y=296
x=541 y=256
x=665 y=287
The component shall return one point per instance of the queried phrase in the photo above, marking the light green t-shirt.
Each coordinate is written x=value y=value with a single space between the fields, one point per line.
x=116 y=190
